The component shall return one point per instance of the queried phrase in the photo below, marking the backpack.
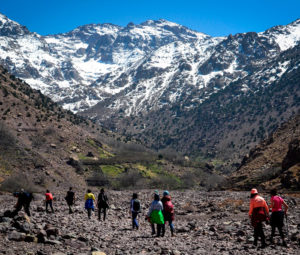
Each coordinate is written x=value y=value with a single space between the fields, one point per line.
x=168 y=207
x=258 y=215
x=136 y=206
x=28 y=196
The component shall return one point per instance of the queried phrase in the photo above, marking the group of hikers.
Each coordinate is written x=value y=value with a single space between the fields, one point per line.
x=162 y=210
x=259 y=212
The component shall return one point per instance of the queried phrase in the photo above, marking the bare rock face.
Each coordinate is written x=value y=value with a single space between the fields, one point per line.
x=293 y=155
x=205 y=223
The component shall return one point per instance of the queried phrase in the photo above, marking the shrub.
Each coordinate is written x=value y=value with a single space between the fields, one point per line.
x=129 y=179
x=16 y=182
x=49 y=131
x=7 y=140
x=97 y=179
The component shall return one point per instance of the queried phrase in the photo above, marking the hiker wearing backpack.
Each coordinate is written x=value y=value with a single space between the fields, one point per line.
x=155 y=216
x=277 y=216
x=89 y=202
x=24 y=200
x=70 y=198
x=168 y=211
x=135 y=208
x=102 y=204
x=49 y=201
x=258 y=213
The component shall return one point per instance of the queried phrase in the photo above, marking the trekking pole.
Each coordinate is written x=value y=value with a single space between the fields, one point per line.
x=287 y=227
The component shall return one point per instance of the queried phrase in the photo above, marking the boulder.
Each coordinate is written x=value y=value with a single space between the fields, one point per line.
x=98 y=253
x=16 y=236
x=293 y=155
x=42 y=236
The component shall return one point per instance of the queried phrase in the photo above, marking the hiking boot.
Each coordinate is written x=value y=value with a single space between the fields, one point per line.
x=263 y=245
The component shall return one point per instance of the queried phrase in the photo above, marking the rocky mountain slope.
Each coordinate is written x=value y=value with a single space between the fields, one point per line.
x=274 y=163
x=161 y=82
x=205 y=223
x=43 y=145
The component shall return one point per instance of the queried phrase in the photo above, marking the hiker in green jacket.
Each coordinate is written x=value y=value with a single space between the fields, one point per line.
x=155 y=216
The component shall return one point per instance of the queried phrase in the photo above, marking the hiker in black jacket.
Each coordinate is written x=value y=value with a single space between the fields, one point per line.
x=135 y=208
x=24 y=200
x=70 y=198
x=102 y=204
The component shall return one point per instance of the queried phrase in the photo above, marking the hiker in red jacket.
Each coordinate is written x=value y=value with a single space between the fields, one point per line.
x=49 y=200
x=258 y=212
x=168 y=211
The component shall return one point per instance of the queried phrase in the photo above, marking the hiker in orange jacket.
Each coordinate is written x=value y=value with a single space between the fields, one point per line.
x=258 y=213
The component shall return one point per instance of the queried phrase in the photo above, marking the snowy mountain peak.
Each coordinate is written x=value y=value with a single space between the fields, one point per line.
x=138 y=67
x=285 y=36
x=11 y=28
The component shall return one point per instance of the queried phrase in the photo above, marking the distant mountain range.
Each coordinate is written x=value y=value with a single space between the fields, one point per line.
x=164 y=84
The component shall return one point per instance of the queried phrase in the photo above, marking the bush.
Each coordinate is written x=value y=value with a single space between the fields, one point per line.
x=49 y=131
x=38 y=141
x=7 y=140
x=129 y=179
x=16 y=182
x=97 y=179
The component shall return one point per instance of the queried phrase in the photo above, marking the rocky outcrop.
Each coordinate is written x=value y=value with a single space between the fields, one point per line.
x=274 y=163
x=293 y=155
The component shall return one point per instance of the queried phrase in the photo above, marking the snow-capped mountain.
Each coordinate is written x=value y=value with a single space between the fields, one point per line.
x=123 y=75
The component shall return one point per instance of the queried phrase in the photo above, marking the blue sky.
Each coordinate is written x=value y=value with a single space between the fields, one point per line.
x=216 y=18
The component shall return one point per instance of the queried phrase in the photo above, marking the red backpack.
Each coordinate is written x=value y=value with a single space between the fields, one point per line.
x=168 y=207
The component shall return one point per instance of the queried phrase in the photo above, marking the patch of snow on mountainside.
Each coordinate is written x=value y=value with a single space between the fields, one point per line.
x=285 y=36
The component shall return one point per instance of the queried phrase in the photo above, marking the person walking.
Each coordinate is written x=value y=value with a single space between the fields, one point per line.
x=89 y=202
x=49 y=201
x=102 y=204
x=24 y=200
x=277 y=216
x=135 y=208
x=155 y=216
x=70 y=198
x=258 y=212
x=168 y=211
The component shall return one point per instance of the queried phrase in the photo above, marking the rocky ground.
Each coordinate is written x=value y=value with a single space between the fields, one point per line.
x=206 y=223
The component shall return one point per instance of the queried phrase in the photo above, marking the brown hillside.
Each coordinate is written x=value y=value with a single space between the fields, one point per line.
x=273 y=163
x=38 y=137
x=43 y=145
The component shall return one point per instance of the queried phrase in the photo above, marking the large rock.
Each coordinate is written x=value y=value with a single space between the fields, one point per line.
x=16 y=236
x=293 y=155
x=98 y=253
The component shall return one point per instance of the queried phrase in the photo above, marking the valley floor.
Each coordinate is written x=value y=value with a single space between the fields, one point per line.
x=205 y=223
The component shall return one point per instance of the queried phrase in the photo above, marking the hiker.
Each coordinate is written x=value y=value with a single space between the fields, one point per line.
x=258 y=212
x=70 y=198
x=135 y=208
x=155 y=216
x=102 y=204
x=89 y=202
x=277 y=215
x=168 y=211
x=24 y=200
x=49 y=201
